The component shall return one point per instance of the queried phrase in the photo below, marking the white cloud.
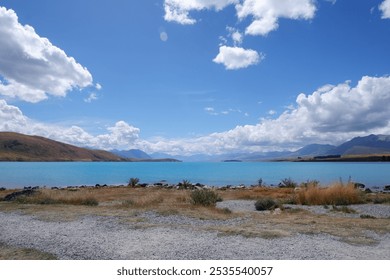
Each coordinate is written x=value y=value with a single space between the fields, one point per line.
x=331 y=114
x=98 y=86
x=11 y=118
x=178 y=10
x=120 y=136
x=91 y=97
x=163 y=36
x=211 y=111
x=236 y=35
x=331 y=1
x=272 y=112
x=235 y=57
x=31 y=67
x=385 y=8
x=266 y=13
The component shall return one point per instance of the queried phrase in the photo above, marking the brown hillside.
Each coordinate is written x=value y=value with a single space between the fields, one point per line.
x=20 y=147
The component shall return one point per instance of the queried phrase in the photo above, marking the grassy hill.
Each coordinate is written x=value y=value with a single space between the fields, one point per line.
x=20 y=147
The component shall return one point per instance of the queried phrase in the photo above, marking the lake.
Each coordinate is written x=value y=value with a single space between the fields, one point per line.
x=60 y=174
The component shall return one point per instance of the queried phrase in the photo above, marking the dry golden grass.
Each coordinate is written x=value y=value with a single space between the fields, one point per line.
x=337 y=194
x=74 y=197
x=256 y=193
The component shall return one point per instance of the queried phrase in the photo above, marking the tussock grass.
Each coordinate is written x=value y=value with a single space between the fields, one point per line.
x=59 y=197
x=336 y=194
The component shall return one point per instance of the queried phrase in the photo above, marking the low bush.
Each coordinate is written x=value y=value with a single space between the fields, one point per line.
x=185 y=185
x=266 y=203
x=288 y=183
x=133 y=182
x=365 y=216
x=204 y=197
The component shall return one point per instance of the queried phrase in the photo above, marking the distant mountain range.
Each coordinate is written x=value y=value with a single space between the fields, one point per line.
x=133 y=153
x=20 y=147
x=359 y=146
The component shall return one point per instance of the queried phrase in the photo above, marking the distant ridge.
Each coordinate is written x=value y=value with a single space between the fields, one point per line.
x=366 y=148
x=131 y=154
x=371 y=144
x=20 y=147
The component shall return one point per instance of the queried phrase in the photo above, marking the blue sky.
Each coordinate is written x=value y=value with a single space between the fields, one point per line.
x=195 y=76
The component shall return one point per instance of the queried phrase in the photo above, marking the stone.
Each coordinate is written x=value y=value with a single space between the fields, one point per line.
x=14 y=195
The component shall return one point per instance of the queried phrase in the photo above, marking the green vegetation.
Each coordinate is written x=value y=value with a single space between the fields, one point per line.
x=133 y=182
x=204 y=197
x=185 y=184
x=266 y=203
x=288 y=183
x=365 y=216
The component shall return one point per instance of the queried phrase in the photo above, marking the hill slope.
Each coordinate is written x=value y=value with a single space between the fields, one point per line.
x=371 y=144
x=131 y=154
x=20 y=147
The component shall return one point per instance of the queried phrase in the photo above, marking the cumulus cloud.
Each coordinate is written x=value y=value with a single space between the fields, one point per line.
x=331 y=114
x=266 y=13
x=11 y=117
x=385 y=8
x=31 y=66
x=236 y=58
x=264 y=16
x=120 y=136
x=179 y=10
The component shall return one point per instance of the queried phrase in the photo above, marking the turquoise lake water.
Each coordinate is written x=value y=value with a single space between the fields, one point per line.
x=61 y=174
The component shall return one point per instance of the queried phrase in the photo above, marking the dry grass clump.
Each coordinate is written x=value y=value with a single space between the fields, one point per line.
x=59 y=197
x=257 y=193
x=337 y=194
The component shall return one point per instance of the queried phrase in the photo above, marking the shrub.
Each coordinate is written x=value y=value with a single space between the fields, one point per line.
x=204 y=197
x=185 y=184
x=266 y=203
x=365 y=216
x=288 y=183
x=133 y=182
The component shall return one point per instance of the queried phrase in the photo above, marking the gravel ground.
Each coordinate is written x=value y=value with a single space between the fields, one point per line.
x=180 y=237
x=375 y=210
